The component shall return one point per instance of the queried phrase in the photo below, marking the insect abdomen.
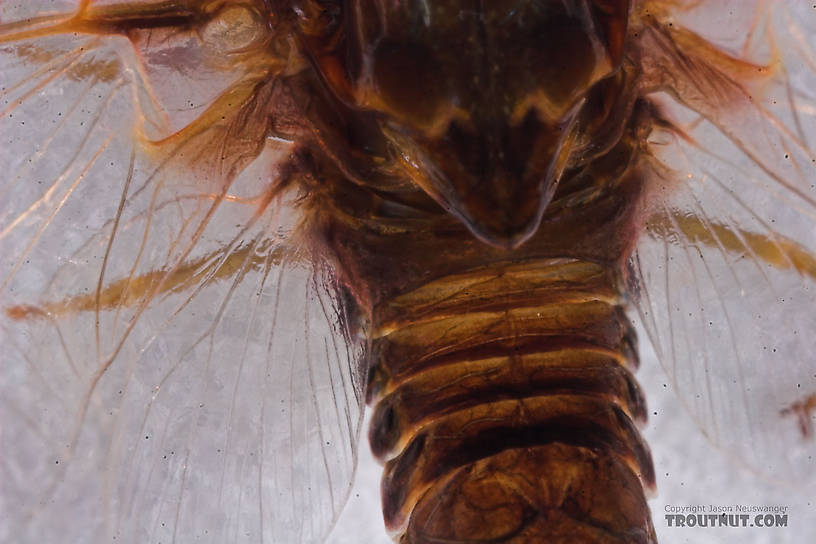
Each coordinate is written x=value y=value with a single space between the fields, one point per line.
x=505 y=405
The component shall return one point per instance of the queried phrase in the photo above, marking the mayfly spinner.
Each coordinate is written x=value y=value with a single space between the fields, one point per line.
x=226 y=224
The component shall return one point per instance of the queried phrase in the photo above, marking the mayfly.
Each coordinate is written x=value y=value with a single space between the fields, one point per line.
x=226 y=224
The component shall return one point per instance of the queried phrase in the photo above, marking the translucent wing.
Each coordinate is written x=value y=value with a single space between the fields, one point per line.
x=725 y=273
x=176 y=365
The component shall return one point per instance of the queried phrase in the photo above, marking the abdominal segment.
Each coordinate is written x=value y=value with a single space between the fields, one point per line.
x=505 y=413
x=504 y=405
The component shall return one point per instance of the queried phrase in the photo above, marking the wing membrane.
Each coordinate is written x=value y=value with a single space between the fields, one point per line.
x=177 y=365
x=727 y=266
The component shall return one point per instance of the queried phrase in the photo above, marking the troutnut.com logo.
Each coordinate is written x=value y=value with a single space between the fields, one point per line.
x=733 y=515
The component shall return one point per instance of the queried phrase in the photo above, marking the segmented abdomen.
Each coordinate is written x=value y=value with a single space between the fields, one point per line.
x=505 y=405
